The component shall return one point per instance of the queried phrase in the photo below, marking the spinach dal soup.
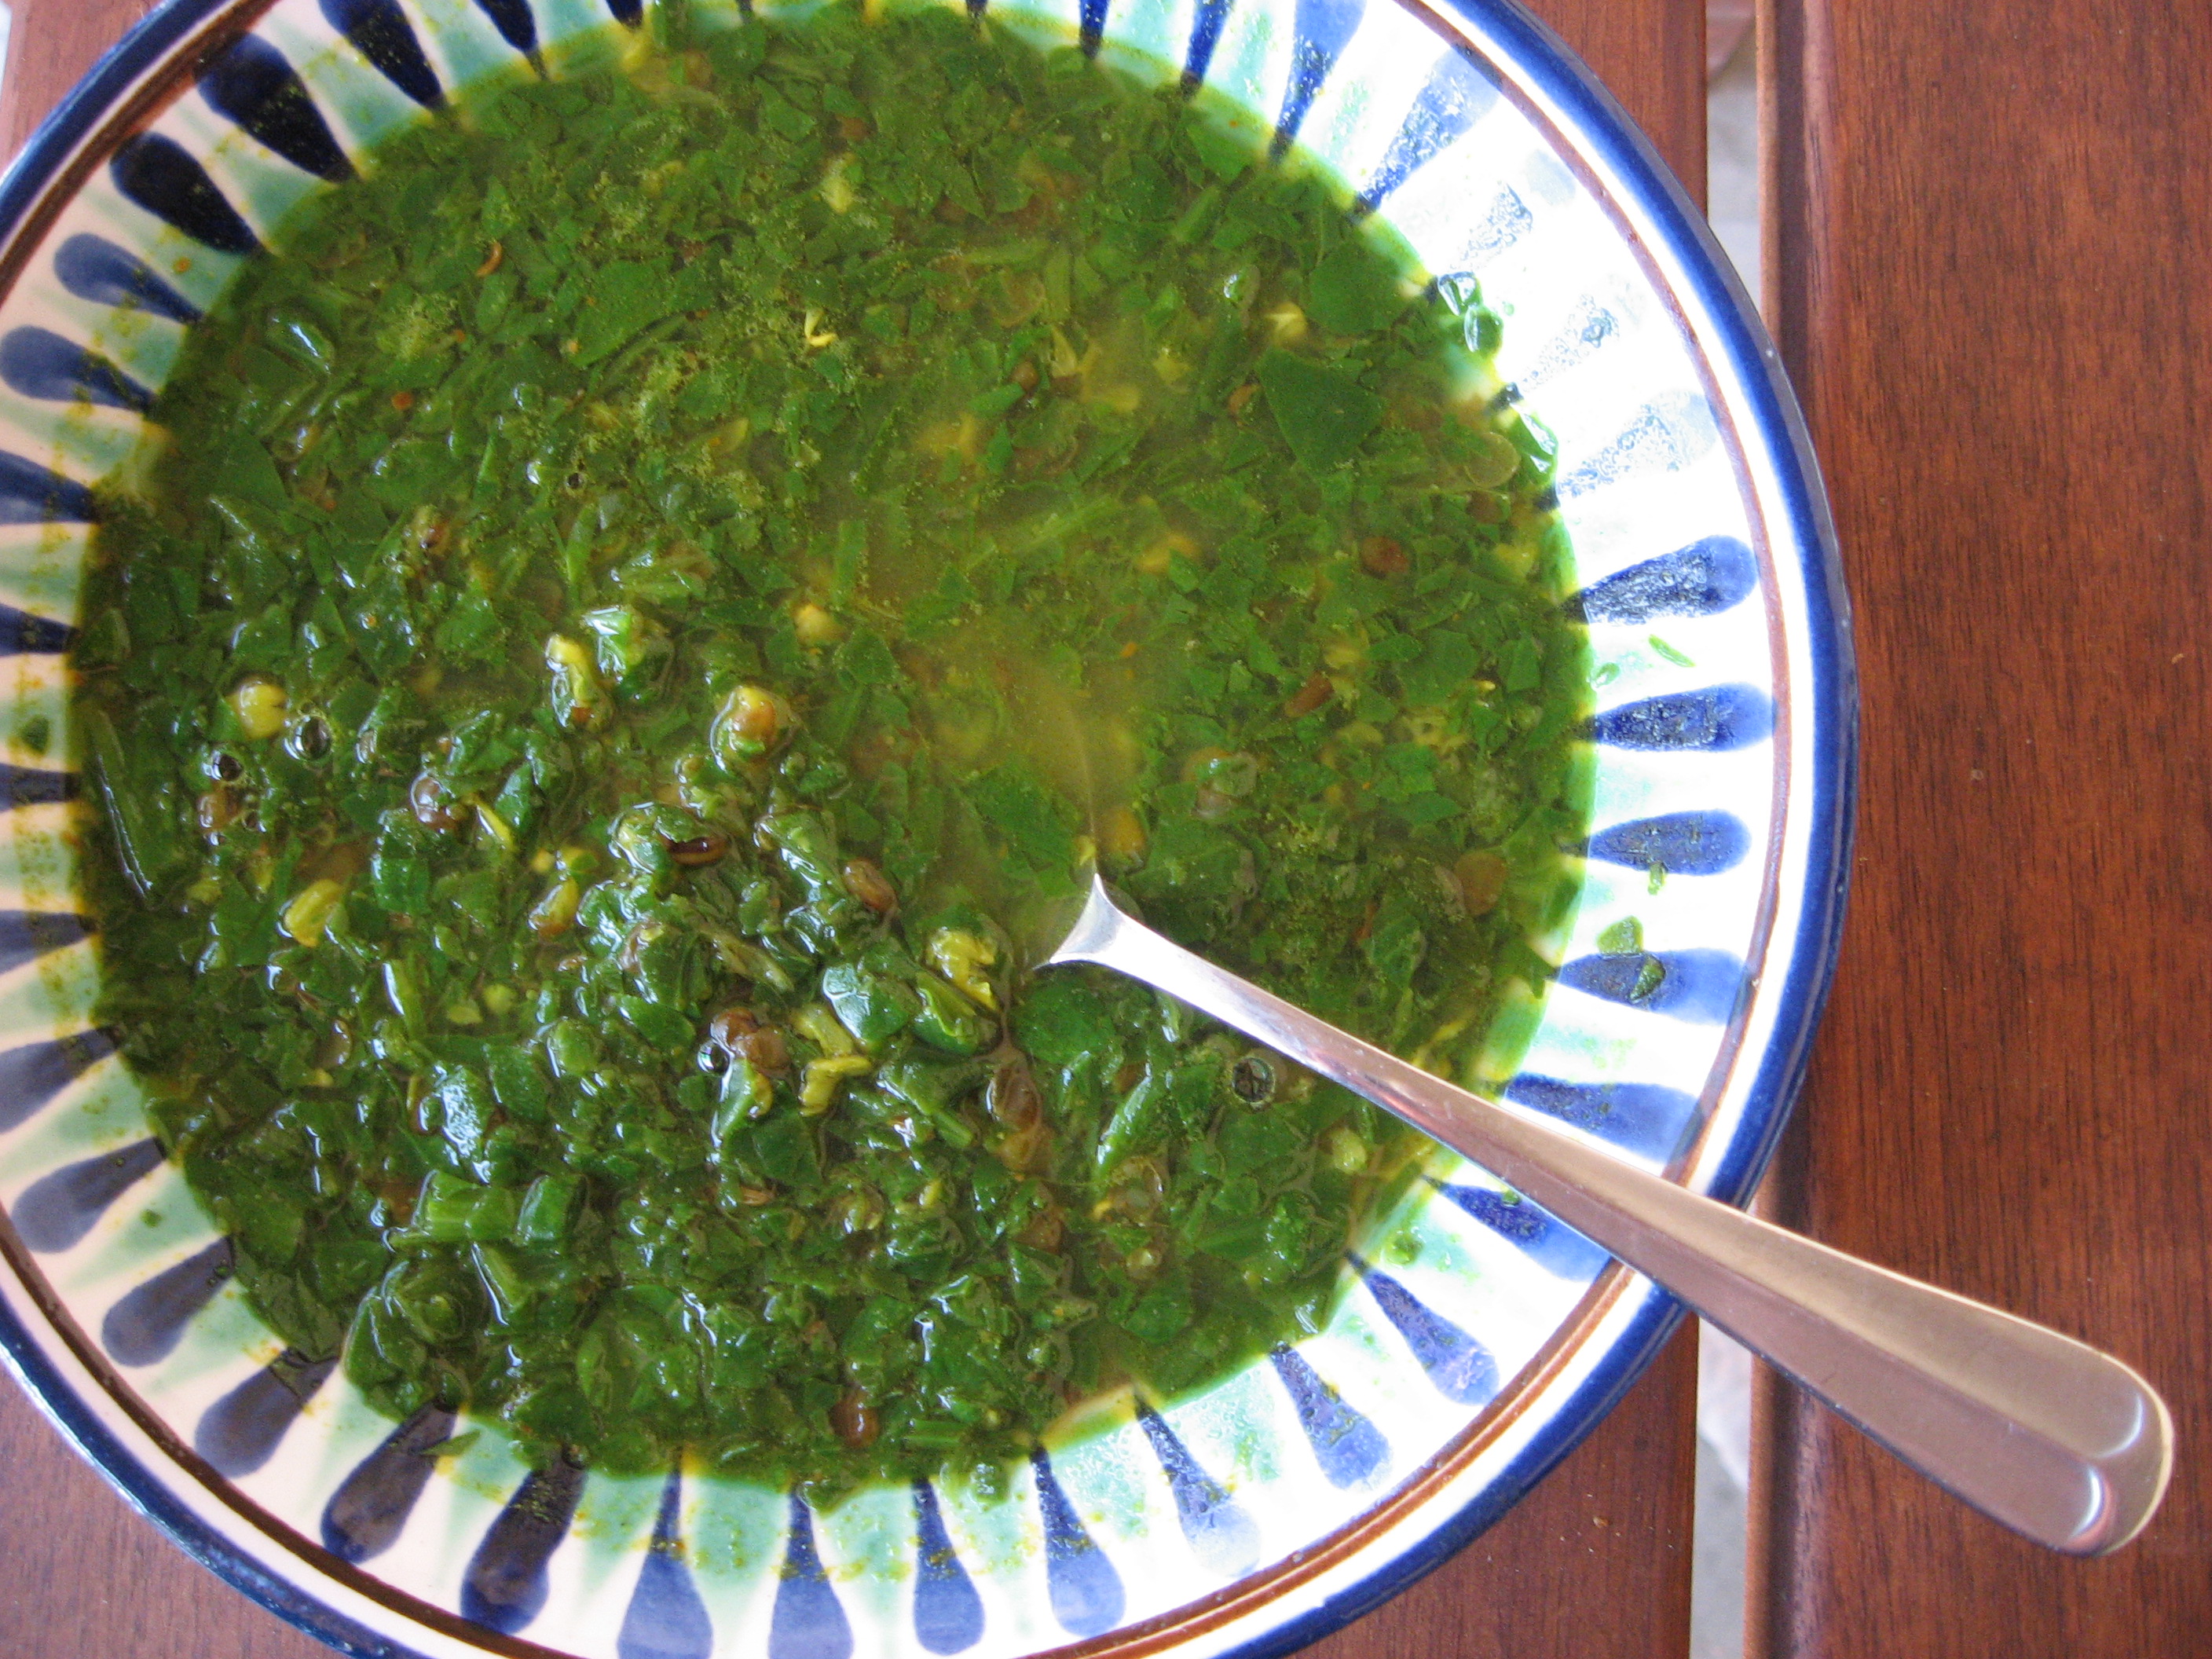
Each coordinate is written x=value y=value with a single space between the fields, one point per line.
x=644 y=610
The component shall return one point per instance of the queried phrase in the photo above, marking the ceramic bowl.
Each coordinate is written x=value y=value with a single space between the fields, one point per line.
x=1478 y=1338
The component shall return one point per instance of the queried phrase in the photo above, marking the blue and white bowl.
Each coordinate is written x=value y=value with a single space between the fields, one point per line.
x=1484 y=1339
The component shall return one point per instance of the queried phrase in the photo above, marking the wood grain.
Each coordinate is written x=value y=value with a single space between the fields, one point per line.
x=83 y=1577
x=51 y=45
x=1651 y=56
x=1987 y=248
x=1594 y=1564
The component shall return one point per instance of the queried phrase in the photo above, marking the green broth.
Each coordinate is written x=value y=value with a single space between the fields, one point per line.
x=644 y=611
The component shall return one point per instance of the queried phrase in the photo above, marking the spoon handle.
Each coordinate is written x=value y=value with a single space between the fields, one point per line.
x=2052 y=1439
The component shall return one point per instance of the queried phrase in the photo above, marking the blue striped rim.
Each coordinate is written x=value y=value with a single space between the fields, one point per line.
x=368 y=1512
x=1827 y=699
x=948 y=1614
x=665 y=1618
x=251 y=83
x=806 y=1620
x=55 y=1211
x=27 y=1357
x=145 y=1323
x=240 y=1431
x=31 y=1075
x=93 y=268
x=36 y=166
x=506 y=1585
x=382 y=33
x=516 y=23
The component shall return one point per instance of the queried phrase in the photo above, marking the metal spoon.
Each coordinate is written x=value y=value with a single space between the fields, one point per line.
x=2055 y=1440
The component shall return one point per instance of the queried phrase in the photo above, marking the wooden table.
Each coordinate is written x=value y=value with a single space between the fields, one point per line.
x=1985 y=230
x=1987 y=245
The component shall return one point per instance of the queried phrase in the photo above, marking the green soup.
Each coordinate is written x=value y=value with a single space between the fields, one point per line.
x=647 y=605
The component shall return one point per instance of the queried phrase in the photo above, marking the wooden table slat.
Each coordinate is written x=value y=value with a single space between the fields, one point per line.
x=1987 y=253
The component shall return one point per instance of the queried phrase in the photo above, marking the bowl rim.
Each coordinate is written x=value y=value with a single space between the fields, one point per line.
x=1825 y=696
